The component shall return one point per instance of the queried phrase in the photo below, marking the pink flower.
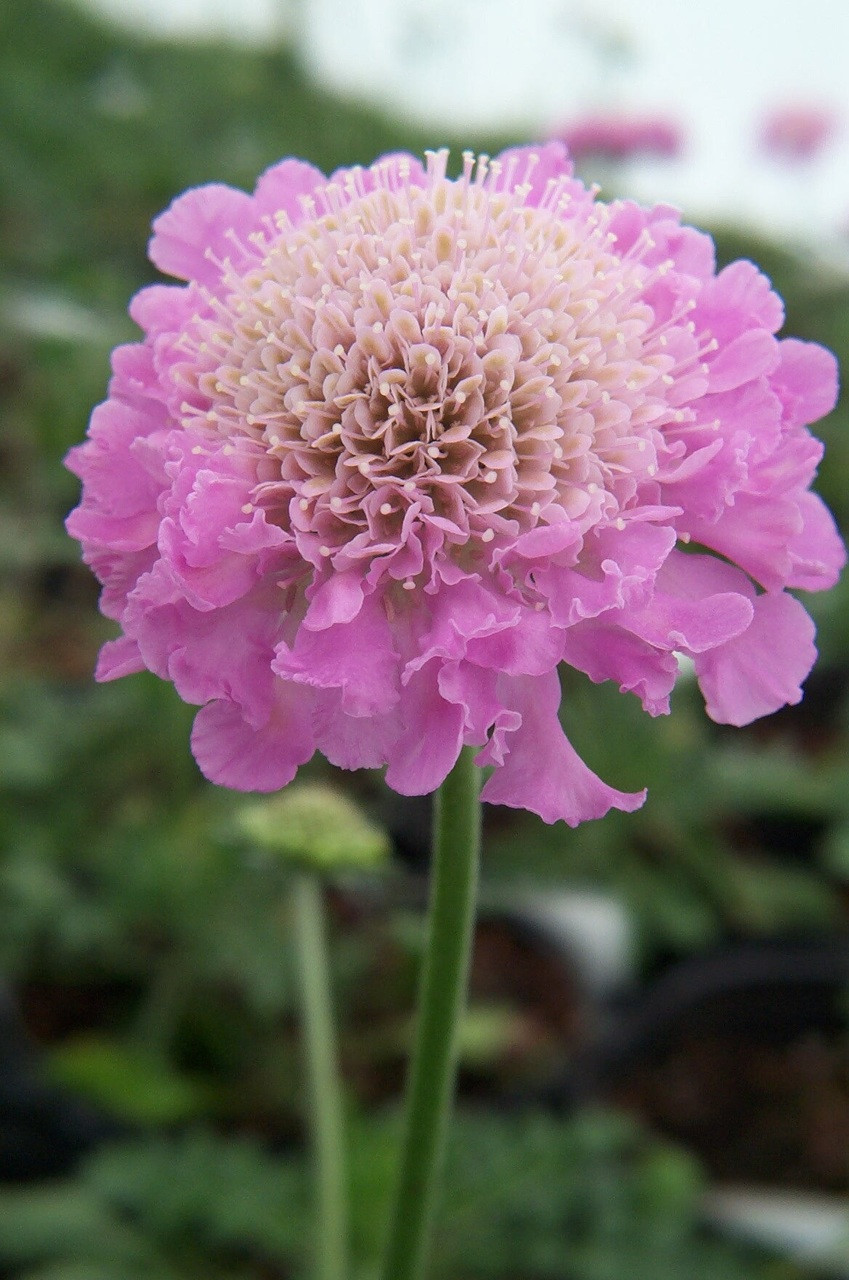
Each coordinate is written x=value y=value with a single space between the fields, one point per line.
x=621 y=137
x=797 y=132
x=401 y=444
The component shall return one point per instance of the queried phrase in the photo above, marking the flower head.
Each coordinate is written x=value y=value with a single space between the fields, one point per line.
x=797 y=132
x=622 y=137
x=401 y=444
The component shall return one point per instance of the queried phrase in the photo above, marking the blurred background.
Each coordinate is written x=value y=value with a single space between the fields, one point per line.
x=655 y=1065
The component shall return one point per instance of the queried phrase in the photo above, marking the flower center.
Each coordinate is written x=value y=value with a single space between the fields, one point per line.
x=444 y=354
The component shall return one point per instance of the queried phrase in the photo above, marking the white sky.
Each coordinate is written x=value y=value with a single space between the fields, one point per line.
x=527 y=64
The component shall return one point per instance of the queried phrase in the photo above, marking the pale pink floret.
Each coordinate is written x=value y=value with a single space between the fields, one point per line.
x=402 y=444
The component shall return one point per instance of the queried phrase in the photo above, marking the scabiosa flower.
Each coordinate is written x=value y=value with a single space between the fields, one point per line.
x=621 y=137
x=797 y=132
x=401 y=444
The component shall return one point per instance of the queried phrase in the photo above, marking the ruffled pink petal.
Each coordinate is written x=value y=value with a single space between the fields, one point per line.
x=135 y=382
x=118 y=658
x=119 y=507
x=281 y=188
x=460 y=614
x=193 y=232
x=746 y=357
x=542 y=771
x=476 y=691
x=817 y=551
x=356 y=657
x=617 y=567
x=352 y=742
x=195 y=649
x=755 y=533
x=338 y=599
x=232 y=753
x=762 y=669
x=530 y=647
x=740 y=297
x=396 y=168
x=607 y=652
x=164 y=308
x=537 y=166
x=430 y=737
x=806 y=381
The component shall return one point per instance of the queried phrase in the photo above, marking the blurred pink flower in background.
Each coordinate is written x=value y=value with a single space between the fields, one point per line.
x=622 y=137
x=798 y=132
x=401 y=444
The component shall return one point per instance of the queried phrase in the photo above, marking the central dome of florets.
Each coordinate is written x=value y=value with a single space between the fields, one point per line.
x=424 y=352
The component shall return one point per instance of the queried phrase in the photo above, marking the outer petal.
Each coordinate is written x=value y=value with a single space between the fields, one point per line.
x=762 y=669
x=806 y=381
x=430 y=739
x=542 y=771
x=356 y=657
x=537 y=165
x=280 y=188
x=817 y=552
x=194 y=229
x=232 y=753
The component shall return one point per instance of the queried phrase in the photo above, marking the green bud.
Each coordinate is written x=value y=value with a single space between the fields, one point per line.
x=315 y=826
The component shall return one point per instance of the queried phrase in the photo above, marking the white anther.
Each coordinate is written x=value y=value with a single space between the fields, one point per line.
x=303 y=504
x=430 y=359
x=384 y=388
x=490 y=477
x=487 y=535
x=325 y=551
x=408 y=584
x=386 y=508
x=198 y=448
x=335 y=502
x=247 y=508
x=433 y=451
x=620 y=524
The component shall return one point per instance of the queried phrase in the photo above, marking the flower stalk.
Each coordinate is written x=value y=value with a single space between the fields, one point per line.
x=444 y=979
x=325 y=1104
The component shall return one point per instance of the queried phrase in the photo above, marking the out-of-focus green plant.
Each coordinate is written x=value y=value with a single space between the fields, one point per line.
x=523 y=1194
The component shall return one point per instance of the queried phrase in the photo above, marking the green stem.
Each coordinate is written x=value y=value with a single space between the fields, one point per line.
x=442 y=1000
x=326 y=1118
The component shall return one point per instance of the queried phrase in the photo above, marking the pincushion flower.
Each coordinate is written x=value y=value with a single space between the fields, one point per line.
x=622 y=136
x=400 y=444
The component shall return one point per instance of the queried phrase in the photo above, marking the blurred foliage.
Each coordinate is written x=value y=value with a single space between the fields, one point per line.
x=151 y=948
x=592 y=1198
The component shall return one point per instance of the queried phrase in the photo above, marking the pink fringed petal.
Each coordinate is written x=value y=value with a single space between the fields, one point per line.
x=762 y=669
x=356 y=657
x=542 y=771
x=118 y=658
x=193 y=232
x=283 y=186
x=806 y=381
x=232 y=753
x=817 y=551
x=430 y=736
